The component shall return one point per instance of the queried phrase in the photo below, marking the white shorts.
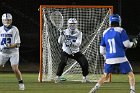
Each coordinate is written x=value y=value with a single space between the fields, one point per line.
x=13 y=57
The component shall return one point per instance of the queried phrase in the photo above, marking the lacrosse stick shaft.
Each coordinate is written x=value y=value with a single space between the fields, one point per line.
x=65 y=38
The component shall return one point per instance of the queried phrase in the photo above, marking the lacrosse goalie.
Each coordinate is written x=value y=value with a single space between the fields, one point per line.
x=71 y=39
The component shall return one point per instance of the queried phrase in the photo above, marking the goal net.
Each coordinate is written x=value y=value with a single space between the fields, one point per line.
x=92 y=21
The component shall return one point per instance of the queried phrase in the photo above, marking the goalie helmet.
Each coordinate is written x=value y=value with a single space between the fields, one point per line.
x=115 y=18
x=7 y=19
x=72 y=23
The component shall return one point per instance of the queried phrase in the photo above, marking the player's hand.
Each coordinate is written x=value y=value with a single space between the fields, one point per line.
x=134 y=40
x=68 y=43
x=8 y=45
x=5 y=48
x=104 y=56
x=61 y=32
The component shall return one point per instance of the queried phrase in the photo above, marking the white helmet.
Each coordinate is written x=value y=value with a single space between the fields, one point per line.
x=6 y=19
x=72 y=23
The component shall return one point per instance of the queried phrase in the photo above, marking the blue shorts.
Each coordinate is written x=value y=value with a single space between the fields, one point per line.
x=124 y=67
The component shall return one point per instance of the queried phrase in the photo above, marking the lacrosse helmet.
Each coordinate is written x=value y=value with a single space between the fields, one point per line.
x=72 y=23
x=115 y=18
x=7 y=19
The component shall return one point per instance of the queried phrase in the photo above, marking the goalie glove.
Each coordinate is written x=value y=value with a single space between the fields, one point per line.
x=134 y=40
x=68 y=43
x=61 y=32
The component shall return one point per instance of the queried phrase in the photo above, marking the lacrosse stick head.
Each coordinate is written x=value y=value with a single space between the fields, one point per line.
x=57 y=19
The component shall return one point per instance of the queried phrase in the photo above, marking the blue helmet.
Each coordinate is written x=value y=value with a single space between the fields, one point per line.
x=115 y=18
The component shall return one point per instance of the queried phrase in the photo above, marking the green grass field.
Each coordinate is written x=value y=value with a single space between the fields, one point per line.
x=8 y=84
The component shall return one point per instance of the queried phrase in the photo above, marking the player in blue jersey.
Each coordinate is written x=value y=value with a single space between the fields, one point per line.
x=71 y=39
x=113 y=45
x=9 y=46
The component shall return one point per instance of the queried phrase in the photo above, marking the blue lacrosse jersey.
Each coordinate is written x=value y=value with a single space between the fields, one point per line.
x=112 y=40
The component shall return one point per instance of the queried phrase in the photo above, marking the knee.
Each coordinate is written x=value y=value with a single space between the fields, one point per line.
x=15 y=68
x=62 y=63
x=131 y=75
x=84 y=63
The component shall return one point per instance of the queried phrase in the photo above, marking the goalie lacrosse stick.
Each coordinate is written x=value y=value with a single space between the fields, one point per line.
x=57 y=20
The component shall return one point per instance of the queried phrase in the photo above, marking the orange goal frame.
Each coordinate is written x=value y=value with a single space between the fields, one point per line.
x=62 y=6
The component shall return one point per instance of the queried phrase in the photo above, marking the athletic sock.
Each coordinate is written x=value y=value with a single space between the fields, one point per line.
x=20 y=81
x=97 y=86
x=84 y=77
x=132 y=87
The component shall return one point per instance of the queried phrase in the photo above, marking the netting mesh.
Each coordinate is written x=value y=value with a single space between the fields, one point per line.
x=91 y=22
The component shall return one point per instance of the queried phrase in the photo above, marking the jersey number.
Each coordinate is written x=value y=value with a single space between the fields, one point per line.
x=5 y=41
x=112 y=45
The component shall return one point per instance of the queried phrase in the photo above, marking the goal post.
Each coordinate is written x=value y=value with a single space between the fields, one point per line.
x=92 y=21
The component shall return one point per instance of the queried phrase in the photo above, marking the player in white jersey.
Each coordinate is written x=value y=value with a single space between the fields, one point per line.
x=71 y=39
x=113 y=45
x=9 y=46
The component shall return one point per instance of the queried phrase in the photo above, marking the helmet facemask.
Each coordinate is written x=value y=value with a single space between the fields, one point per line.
x=7 y=22
x=72 y=24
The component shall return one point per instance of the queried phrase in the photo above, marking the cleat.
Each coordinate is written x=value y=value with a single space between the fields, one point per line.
x=132 y=91
x=85 y=81
x=57 y=79
x=21 y=87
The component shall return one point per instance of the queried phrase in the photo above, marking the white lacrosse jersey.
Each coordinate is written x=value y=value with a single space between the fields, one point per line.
x=75 y=38
x=113 y=45
x=9 y=36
